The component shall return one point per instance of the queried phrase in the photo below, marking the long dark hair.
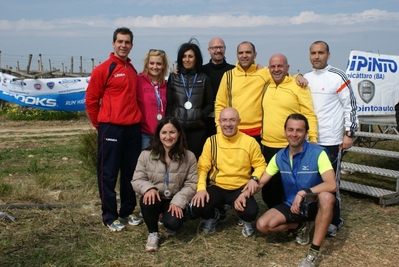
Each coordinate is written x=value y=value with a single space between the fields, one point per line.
x=177 y=151
x=192 y=44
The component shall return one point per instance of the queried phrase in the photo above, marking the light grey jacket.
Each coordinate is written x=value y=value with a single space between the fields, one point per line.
x=151 y=173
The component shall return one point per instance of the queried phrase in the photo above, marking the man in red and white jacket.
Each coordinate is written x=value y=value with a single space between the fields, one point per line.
x=111 y=104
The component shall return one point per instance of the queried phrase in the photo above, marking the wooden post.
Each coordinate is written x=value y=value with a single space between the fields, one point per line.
x=81 y=66
x=18 y=69
x=0 y=58
x=40 y=63
x=49 y=62
x=62 y=68
x=71 y=65
x=92 y=64
x=29 y=62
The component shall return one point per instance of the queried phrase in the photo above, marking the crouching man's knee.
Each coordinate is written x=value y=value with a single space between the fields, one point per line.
x=326 y=200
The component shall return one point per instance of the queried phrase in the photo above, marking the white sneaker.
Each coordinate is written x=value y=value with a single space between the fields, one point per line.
x=152 y=242
x=132 y=219
x=312 y=259
x=210 y=224
x=303 y=234
x=247 y=229
x=332 y=230
x=116 y=226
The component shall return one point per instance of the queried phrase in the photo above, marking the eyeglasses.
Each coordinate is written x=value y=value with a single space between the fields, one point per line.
x=217 y=47
x=157 y=50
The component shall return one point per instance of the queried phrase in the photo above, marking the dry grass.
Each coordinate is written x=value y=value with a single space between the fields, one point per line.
x=74 y=236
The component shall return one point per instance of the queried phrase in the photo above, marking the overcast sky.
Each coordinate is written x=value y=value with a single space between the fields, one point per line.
x=59 y=30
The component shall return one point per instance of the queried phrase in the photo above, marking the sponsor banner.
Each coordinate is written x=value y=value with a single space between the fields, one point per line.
x=375 y=82
x=62 y=94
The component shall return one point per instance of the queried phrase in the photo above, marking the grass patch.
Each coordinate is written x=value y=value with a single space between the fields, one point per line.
x=17 y=113
x=53 y=170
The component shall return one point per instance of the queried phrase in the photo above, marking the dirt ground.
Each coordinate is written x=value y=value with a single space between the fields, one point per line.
x=22 y=129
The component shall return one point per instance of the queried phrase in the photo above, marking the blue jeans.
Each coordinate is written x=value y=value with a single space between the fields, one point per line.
x=145 y=140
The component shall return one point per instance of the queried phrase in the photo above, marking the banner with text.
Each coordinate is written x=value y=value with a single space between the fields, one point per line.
x=62 y=94
x=375 y=82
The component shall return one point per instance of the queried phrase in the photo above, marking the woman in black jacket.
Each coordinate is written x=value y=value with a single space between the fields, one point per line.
x=190 y=95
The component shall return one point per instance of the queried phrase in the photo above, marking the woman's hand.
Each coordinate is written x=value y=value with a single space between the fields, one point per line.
x=175 y=211
x=149 y=197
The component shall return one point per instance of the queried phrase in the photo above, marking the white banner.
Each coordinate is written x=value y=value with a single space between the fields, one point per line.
x=63 y=94
x=375 y=82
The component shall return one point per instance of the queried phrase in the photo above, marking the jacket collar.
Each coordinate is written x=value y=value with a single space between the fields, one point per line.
x=118 y=60
x=218 y=66
x=327 y=68
x=233 y=138
x=251 y=68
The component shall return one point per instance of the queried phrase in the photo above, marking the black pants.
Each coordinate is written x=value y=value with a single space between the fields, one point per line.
x=219 y=197
x=272 y=192
x=195 y=140
x=333 y=155
x=151 y=215
x=118 y=150
x=210 y=126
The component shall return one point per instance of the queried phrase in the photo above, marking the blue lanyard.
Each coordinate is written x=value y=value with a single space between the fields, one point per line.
x=167 y=175
x=188 y=94
x=158 y=96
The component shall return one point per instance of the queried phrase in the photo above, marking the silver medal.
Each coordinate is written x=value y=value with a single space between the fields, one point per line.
x=188 y=105
x=159 y=116
x=166 y=193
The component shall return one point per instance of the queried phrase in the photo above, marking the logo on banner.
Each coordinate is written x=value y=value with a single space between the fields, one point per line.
x=366 y=90
x=38 y=86
x=18 y=84
x=66 y=82
x=50 y=85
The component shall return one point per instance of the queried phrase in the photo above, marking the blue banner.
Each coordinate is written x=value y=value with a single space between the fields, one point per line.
x=62 y=94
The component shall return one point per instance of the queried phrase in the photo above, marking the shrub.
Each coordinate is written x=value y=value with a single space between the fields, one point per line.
x=87 y=150
x=19 y=113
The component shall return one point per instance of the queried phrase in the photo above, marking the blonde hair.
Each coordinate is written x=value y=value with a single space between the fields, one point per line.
x=162 y=54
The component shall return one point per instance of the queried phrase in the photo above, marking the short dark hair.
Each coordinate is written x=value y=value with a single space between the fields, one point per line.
x=297 y=117
x=178 y=151
x=246 y=42
x=192 y=44
x=322 y=42
x=123 y=30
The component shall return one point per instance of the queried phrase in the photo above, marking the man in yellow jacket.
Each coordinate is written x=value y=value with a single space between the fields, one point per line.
x=229 y=161
x=242 y=88
x=281 y=98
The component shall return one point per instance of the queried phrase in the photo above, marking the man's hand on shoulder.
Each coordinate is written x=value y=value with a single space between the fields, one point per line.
x=200 y=198
x=301 y=81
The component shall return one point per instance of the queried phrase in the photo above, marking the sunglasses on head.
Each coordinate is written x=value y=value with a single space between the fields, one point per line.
x=157 y=50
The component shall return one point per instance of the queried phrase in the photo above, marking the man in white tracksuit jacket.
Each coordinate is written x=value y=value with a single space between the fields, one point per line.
x=335 y=106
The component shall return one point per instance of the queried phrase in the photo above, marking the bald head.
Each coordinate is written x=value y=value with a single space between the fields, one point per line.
x=229 y=120
x=216 y=49
x=278 y=67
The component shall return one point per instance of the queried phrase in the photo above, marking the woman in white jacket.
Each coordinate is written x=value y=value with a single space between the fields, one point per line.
x=166 y=177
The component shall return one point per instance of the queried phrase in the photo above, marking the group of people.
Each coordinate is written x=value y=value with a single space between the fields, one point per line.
x=217 y=134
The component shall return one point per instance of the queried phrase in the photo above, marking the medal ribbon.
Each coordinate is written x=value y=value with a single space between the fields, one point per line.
x=188 y=93
x=167 y=176
x=158 y=96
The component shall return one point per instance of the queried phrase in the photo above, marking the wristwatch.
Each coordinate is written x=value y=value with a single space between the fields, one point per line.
x=256 y=179
x=349 y=134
